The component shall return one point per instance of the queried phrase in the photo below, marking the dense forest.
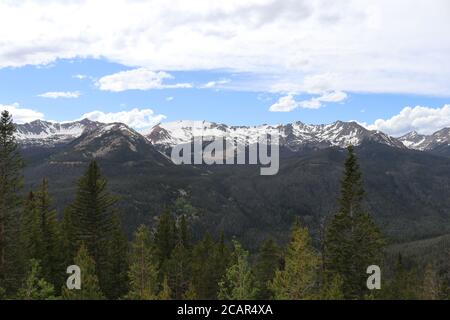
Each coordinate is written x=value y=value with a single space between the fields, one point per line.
x=163 y=261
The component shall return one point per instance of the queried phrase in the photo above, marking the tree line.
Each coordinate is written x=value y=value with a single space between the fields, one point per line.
x=163 y=262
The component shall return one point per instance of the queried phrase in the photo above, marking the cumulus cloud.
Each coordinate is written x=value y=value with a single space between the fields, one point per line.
x=135 y=118
x=60 y=94
x=288 y=103
x=424 y=120
x=20 y=114
x=283 y=44
x=138 y=79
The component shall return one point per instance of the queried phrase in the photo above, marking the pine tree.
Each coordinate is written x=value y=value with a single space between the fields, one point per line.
x=404 y=285
x=30 y=230
x=352 y=240
x=10 y=203
x=90 y=287
x=35 y=287
x=298 y=279
x=165 y=238
x=165 y=293
x=209 y=260
x=178 y=267
x=332 y=289
x=91 y=214
x=51 y=253
x=190 y=293
x=143 y=273
x=117 y=285
x=238 y=282
x=268 y=261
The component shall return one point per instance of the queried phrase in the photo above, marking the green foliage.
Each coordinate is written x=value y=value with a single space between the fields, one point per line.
x=91 y=215
x=238 y=282
x=268 y=261
x=332 y=289
x=298 y=280
x=118 y=265
x=35 y=287
x=10 y=185
x=165 y=237
x=90 y=287
x=432 y=284
x=352 y=240
x=165 y=293
x=143 y=274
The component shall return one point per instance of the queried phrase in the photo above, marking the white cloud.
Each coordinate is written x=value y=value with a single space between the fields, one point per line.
x=169 y=98
x=424 y=120
x=284 y=104
x=288 y=103
x=137 y=79
x=79 y=76
x=325 y=45
x=214 y=84
x=136 y=118
x=60 y=94
x=21 y=115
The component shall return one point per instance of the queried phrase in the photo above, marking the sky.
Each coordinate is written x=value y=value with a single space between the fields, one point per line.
x=384 y=64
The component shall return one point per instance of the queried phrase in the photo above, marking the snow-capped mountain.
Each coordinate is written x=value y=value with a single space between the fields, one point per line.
x=416 y=141
x=298 y=134
x=46 y=133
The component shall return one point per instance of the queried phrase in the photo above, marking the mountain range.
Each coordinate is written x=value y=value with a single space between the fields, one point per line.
x=407 y=179
x=293 y=136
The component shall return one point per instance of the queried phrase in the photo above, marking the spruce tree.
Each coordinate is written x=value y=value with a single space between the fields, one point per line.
x=238 y=282
x=50 y=249
x=165 y=293
x=268 y=261
x=298 y=280
x=117 y=285
x=90 y=287
x=10 y=203
x=30 y=230
x=35 y=287
x=92 y=217
x=143 y=274
x=165 y=238
x=352 y=239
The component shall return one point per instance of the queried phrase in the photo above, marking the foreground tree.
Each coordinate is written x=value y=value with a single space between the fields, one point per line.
x=352 y=240
x=90 y=287
x=92 y=217
x=298 y=280
x=10 y=202
x=268 y=261
x=143 y=273
x=238 y=282
x=35 y=287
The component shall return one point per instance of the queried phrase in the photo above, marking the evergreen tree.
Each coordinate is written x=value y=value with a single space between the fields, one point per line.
x=332 y=289
x=143 y=273
x=117 y=285
x=35 y=287
x=352 y=240
x=209 y=261
x=10 y=203
x=69 y=238
x=91 y=214
x=30 y=231
x=298 y=280
x=403 y=286
x=268 y=261
x=165 y=238
x=90 y=287
x=190 y=293
x=50 y=252
x=165 y=293
x=238 y=282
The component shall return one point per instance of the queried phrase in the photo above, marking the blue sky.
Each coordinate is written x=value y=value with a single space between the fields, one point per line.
x=265 y=61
